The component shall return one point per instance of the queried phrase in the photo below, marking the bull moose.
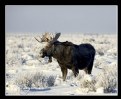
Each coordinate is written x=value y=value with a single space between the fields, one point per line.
x=70 y=56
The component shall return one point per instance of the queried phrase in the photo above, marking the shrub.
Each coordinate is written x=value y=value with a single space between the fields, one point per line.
x=87 y=83
x=20 y=46
x=35 y=80
x=108 y=79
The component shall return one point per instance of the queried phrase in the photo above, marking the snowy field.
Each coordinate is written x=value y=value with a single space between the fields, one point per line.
x=26 y=75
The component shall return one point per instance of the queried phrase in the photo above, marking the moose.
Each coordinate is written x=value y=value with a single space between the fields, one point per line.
x=69 y=55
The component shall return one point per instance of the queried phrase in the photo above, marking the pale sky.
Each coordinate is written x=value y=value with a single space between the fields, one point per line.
x=61 y=18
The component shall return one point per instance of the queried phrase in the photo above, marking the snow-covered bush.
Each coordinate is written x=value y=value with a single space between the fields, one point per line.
x=36 y=80
x=108 y=78
x=88 y=82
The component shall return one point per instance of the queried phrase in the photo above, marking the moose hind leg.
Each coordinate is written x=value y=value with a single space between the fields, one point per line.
x=64 y=73
x=75 y=71
x=86 y=71
x=89 y=68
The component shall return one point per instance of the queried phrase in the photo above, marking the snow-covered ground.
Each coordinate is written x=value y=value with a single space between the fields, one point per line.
x=26 y=75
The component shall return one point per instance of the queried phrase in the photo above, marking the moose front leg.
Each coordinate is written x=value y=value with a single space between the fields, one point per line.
x=50 y=59
x=64 y=72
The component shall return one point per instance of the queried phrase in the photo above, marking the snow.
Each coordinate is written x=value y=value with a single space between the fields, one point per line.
x=28 y=74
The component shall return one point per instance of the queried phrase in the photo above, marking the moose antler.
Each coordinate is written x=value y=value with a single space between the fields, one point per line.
x=48 y=37
x=52 y=35
x=37 y=39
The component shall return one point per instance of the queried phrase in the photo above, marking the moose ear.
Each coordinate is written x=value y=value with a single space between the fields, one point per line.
x=56 y=37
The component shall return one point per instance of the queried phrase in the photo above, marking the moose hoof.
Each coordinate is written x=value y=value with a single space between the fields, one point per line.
x=50 y=60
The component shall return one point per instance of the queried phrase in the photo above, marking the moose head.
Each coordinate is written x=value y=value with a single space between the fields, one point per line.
x=48 y=50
